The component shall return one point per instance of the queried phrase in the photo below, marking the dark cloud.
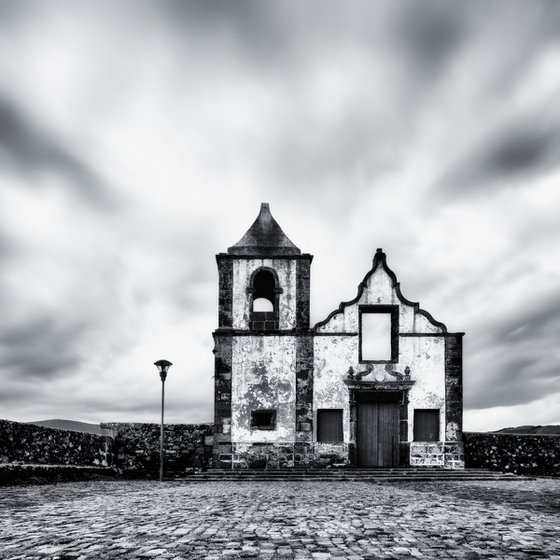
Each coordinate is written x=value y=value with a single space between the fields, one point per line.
x=534 y=323
x=28 y=149
x=401 y=72
x=42 y=348
x=11 y=12
x=279 y=35
x=520 y=150
x=512 y=381
x=423 y=42
x=269 y=36
x=511 y=350
x=15 y=392
x=427 y=36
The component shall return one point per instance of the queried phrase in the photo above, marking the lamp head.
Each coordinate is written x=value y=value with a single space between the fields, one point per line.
x=163 y=366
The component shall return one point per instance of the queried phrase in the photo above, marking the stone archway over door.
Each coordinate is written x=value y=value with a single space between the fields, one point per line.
x=378 y=434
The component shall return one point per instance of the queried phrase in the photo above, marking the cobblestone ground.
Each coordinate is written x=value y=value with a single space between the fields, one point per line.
x=300 y=520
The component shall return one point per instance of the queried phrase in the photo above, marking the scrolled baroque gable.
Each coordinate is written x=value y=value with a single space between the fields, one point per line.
x=380 y=288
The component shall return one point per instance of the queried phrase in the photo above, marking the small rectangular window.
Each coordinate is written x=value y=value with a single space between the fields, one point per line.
x=263 y=419
x=426 y=424
x=379 y=333
x=329 y=425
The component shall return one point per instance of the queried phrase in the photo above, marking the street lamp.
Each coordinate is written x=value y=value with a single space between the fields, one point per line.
x=163 y=366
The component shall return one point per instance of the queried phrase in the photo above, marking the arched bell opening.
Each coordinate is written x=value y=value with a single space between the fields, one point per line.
x=264 y=298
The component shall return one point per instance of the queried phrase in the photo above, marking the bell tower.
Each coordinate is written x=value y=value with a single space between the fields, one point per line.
x=263 y=349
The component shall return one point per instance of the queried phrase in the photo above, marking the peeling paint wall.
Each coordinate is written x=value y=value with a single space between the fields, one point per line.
x=269 y=369
x=295 y=371
x=263 y=377
x=424 y=355
x=332 y=357
x=286 y=270
x=426 y=358
x=379 y=290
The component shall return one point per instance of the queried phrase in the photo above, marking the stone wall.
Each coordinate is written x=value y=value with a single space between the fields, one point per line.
x=136 y=447
x=427 y=454
x=261 y=456
x=12 y=474
x=448 y=454
x=515 y=453
x=30 y=444
x=271 y=456
x=329 y=454
x=131 y=449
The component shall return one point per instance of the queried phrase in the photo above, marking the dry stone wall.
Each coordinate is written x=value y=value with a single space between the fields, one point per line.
x=12 y=473
x=30 y=444
x=515 y=453
x=133 y=448
x=136 y=447
x=30 y=453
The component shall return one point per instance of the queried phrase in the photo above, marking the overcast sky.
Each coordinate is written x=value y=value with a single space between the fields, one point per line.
x=138 y=139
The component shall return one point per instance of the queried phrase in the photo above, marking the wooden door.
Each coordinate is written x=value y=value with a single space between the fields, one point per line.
x=378 y=434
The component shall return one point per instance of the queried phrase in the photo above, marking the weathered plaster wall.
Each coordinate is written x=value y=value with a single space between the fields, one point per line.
x=263 y=377
x=333 y=355
x=516 y=453
x=296 y=376
x=286 y=271
x=425 y=356
x=379 y=290
x=27 y=443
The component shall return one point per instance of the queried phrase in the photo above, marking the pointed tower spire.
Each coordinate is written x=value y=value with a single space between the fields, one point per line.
x=264 y=238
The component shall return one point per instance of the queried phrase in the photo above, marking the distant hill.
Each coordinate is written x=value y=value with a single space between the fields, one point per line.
x=536 y=430
x=71 y=425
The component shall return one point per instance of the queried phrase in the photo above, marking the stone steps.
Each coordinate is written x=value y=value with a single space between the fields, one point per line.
x=348 y=475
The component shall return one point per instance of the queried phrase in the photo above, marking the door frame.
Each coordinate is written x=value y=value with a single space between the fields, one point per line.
x=380 y=392
x=378 y=433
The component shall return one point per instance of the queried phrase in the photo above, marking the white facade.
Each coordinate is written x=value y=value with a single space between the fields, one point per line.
x=377 y=383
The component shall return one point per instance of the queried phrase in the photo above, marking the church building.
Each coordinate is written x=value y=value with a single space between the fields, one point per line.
x=378 y=383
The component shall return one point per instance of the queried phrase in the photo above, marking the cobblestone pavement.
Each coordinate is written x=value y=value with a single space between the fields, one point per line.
x=299 y=520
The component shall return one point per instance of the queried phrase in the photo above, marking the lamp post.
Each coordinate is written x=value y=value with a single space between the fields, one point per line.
x=163 y=366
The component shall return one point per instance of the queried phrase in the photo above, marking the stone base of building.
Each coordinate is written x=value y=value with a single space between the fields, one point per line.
x=448 y=455
x=262 y=456
x=329 y=454
x=271 y=456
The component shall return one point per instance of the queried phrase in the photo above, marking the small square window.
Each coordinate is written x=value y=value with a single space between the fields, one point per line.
x=329 y=425
x=263 y=419
x=426 y=424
